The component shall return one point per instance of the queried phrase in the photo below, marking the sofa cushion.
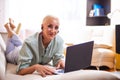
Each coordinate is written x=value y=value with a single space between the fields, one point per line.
x=2 y=43
x=11 y=74
x=83 y=75
x=2 y=64
x=75 y=75
x=2 y=59
x=102 y=56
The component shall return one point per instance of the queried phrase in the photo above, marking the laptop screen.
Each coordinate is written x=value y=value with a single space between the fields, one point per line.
x=78 y=56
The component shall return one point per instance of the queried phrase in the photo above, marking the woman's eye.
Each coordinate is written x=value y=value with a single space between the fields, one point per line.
x=50 y=26
x=56 y=27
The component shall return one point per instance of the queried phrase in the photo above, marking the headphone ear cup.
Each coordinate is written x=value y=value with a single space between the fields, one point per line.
x=42 y=27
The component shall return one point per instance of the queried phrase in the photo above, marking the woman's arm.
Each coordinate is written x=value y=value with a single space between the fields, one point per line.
x=41 y=69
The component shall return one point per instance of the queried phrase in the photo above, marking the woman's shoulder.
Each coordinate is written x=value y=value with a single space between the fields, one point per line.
x=58 y=37
x=33 y=37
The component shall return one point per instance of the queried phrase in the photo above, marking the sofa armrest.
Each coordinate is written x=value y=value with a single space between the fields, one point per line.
x=2 y=58
x=2 y=65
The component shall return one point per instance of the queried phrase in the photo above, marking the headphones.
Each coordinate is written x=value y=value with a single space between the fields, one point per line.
x=42 y=27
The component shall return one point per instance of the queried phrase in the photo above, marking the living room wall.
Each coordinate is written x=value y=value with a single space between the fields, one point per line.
x=2 y=14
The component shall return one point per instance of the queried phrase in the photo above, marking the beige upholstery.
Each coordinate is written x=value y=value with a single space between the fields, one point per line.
x=103 y=57
x=2 y=59
x=84 y=75
x=2 y=65
x=77 y=75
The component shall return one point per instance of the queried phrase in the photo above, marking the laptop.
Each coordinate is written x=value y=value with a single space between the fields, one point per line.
x=78 y=57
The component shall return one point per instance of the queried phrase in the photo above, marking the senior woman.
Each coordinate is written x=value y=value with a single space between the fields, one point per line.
x=41 y=48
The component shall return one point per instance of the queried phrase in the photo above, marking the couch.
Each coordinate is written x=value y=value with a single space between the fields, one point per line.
x=103 y=54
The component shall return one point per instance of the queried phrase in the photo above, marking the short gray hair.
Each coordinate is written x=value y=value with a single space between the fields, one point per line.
x=49 y=17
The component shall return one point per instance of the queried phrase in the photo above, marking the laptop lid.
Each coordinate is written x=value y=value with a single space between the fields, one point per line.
x=78 y=56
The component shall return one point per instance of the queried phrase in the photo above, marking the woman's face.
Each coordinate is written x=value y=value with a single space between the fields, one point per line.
x=50 y=29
